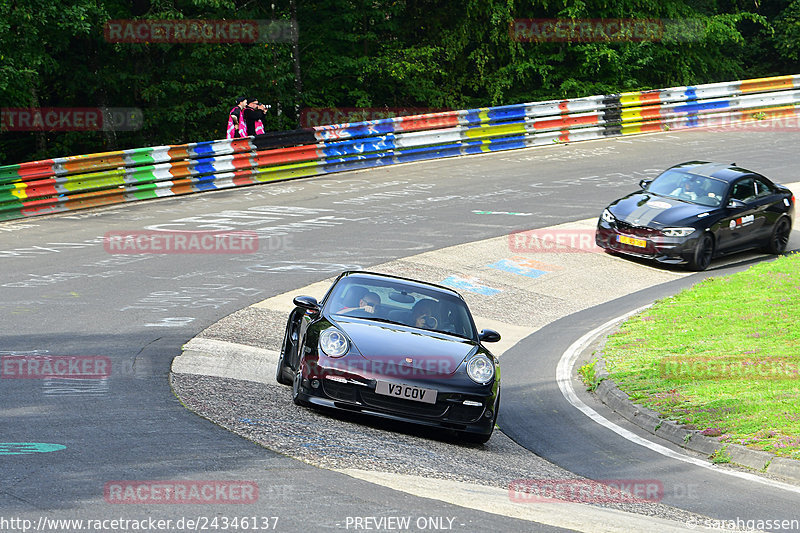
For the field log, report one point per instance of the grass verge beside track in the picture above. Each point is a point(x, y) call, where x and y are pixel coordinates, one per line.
point(722, 357)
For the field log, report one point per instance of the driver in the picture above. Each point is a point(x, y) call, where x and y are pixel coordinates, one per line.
point(688, 189)
point(368, 303)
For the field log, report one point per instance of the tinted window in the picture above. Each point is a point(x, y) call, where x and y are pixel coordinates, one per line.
point(763, 188)
point(744, 190)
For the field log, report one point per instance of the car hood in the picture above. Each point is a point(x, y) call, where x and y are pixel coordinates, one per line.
point(392, 344)
point(645, 209)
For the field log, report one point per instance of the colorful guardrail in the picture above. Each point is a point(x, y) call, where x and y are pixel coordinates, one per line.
point(78, 182)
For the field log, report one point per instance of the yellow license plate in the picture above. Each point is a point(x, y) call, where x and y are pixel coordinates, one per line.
point(639, 243)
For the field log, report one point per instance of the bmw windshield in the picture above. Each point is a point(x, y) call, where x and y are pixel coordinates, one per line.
point(689, 187)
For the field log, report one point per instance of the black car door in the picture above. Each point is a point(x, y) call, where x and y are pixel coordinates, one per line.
point(769, 206)
point(745, 218)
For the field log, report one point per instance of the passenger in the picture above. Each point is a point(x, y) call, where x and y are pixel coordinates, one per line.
point(422, 314)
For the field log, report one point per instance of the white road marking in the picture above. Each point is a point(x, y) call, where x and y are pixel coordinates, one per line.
point(564, 379)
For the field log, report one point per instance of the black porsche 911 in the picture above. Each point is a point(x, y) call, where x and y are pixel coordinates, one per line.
point(394, 348)
point(696, 211)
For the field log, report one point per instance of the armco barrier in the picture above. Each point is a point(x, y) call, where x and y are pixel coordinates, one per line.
point(69, 183)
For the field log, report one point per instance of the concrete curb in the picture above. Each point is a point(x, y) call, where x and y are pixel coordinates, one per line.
point(618, 401)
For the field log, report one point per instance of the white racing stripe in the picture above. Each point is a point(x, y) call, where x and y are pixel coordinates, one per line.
point(564, 379)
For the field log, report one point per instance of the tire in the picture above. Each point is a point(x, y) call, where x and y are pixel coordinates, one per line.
point(703, 253)
point(281, 371)
point(779, 237)
point(298, 377)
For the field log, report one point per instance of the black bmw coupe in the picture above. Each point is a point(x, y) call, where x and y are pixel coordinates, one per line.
point(696, 211)
point(394, 348)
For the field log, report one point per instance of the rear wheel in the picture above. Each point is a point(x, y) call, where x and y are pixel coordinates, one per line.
point(779, 238)
point(702, 253)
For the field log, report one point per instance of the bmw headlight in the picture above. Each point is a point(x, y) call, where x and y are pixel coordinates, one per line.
point(333, 342)
point(677, 232)
point(608, 217)
point(480, 369)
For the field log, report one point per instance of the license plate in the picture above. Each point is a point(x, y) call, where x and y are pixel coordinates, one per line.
point(406, 392)
point(639, 243)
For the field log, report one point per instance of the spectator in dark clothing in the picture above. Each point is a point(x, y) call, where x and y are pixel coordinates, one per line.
point(253, 115)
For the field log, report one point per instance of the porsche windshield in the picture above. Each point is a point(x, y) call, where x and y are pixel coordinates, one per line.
point(689, 188)
point(387, 300)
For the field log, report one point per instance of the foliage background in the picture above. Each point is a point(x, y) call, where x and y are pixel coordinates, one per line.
point(357, 53)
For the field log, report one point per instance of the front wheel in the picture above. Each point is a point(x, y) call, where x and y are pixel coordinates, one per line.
point(298, 378)
point(283, 372)
point(479, 438)
point(779, 238)
point(702, 253)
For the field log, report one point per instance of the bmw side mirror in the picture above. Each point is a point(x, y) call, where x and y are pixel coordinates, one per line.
point(488, 335)
point(644, 183)
point(308, 303)
point(736, 204)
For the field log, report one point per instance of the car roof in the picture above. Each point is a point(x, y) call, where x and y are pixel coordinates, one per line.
point(720, 171)
point(411, 283)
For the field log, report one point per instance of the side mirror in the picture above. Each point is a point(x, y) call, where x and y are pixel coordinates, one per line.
point(308, 303)
point(488, 335)
point(644, 183)
point(736, 204)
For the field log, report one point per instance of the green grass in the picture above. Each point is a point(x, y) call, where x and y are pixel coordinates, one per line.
point(588, 374)
point(722, 357)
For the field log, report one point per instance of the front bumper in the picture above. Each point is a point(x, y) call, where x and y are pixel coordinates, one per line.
point(458, 406)
point(657, 247)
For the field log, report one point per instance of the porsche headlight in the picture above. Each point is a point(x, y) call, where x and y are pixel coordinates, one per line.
point(677, 232)
point(608, 217)
point(333, 342)
point(480, 369)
